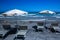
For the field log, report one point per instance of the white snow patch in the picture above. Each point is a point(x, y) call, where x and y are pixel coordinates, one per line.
point(47, 11)
point(15, 12)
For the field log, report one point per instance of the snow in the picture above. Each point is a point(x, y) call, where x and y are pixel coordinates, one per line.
point(15, 12)
point(47, 11)
point(34, 20)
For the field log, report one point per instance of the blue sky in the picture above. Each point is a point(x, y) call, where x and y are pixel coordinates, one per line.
point(30, 5)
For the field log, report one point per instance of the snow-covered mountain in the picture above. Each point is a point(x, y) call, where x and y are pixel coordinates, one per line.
point(47, 12)
point(15, 12)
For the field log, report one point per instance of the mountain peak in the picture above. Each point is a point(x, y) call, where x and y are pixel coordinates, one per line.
point(47, 12)
point(15, 12)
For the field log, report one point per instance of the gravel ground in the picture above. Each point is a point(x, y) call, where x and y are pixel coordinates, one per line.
point(32, 35)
